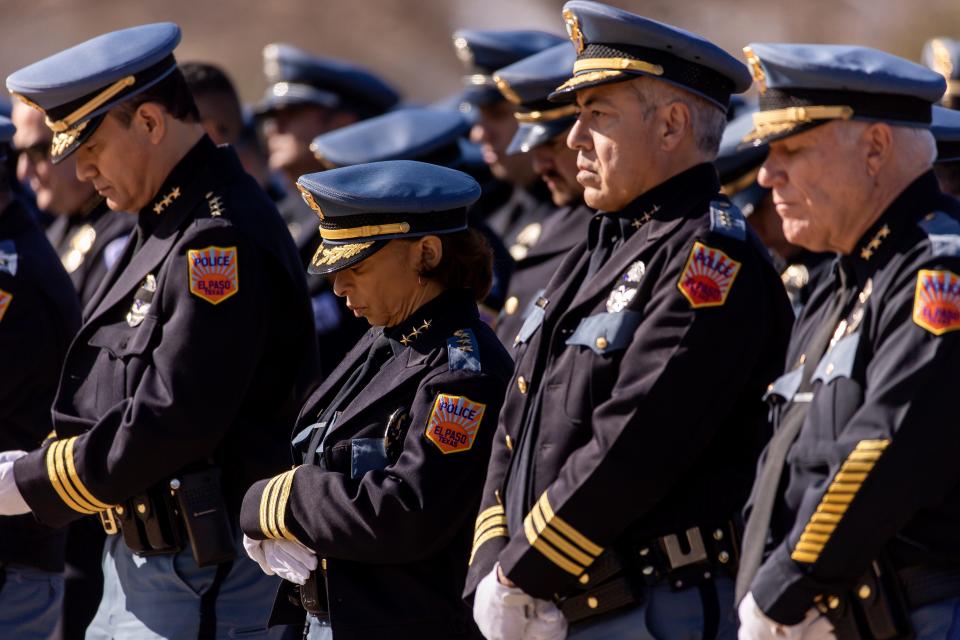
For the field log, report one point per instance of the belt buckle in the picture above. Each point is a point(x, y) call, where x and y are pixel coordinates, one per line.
point(109, 522)
point(676, 555)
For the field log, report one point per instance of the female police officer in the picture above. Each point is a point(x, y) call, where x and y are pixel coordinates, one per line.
point(394, 443)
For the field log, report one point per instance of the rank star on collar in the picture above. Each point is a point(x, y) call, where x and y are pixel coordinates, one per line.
point(166, 201)
point(413, 335)
point(646, 217)
point(868, 249)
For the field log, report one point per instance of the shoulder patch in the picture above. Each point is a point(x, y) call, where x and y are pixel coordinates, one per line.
point(936, 301)
point(8, 257)
point(708, 276)
point(5, 300)
point(943, 232)
point(213, 273)
point(454, 422)
point(463, 353)
point(727, 220)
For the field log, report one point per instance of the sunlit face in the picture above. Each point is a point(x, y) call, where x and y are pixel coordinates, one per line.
point(556, 164)
point(56, 186)
point(289, 132)
point(115, 159)
point(614, 136)
point(381, 287)
point(818, 181)
point(493, 132)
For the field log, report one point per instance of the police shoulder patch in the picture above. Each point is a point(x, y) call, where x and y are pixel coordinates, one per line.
point(708, 276)
point(5, 299)
point(936, 301)
point(727, 220)
point(463, 353)
point(213, 273)
point(454, 422)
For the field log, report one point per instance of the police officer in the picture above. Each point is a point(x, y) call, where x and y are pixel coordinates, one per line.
point(307, 96)
point(943, 56)
point(425, 134)
point(86, 234)
point(854, 510)
point(945, 127)
point(542, 132)
point(190, 356)
point(392, 446)
point(633, 421)
point(516, 198)
point(39, 315)
point(738, 165)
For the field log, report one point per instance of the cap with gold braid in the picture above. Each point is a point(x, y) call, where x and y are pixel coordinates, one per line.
point(805, 85)
point(76, 87)
point(614, 45)
point(361, 207)
point(527, 84)
point(943, 56)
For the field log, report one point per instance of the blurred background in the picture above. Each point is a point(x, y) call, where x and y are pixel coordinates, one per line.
point(408, 41)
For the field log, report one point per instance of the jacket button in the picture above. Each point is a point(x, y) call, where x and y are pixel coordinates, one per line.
point(602, 343)
point(511, 305)
point(522, 384)
point(584, 579)
point(509, 443)
point(864, 592)
point(592, 602)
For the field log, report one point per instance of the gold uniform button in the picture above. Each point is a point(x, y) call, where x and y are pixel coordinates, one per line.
point(141, 508)
point(511, 305)
point(833, 602)
point(584, 579)
point(592, 602)
point(864, 592)
point(522, 384)
point(509, 443)
point(602, 343)
point(829, 369)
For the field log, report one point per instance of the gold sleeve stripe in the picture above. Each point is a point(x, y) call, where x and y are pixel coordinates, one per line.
point(560, 525)
point(287, 482)
point(495, 510)
point(556, 540)
point(489, 534)
point(835, 502)
point(266, 509)
point(54, 474)
point(75, 478)
point(551, 554)
point(489, 523)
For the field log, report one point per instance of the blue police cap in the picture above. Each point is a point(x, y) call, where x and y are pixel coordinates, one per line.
point(482, 52)
point(364, 206)
point(527, 84)
point(76, 87)
point(738, 165)
point(298, 77)
point(427, 134)
point(943, 56)
point(946, 130)
point(805, 85)
point(614, 45)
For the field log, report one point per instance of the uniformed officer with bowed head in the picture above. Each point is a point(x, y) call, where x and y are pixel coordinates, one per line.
point(374, 521)
point(632, 424)
point(191, 357)
point(852, 523)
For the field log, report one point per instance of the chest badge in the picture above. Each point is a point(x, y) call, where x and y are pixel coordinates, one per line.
point(213, 273)
point(623, 294)
point(141, 301)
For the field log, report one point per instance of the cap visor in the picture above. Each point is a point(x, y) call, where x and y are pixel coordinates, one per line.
point(533, 134)
point(331, 257)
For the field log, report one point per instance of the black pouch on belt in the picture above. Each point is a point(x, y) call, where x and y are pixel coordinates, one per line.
point(157, 520)
point(200, 501)
point(876, 609)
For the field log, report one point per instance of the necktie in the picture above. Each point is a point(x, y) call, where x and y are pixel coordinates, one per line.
point(609, 235)
point(767, 484)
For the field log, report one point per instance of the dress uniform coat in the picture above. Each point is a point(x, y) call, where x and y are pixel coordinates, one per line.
point(634, 410)
point(39, 315)
point(192, 352)
point(89, 244)
point(393, 526)
point(872, 473)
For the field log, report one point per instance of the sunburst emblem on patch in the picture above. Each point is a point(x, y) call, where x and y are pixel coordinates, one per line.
point(454, 422)
point(707, 277)
point(936, 301)
point(213, 273)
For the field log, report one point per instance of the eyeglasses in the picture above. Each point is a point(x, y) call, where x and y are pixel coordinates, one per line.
point(37, 152)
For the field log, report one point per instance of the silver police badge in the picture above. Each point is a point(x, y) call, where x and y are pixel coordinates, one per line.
point(141, 301)
point(622, 295)
point(635, 272)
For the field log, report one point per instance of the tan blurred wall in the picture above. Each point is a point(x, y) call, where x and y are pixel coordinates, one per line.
point(408, 41)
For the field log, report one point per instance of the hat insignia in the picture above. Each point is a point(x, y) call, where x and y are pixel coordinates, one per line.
point(573, 30)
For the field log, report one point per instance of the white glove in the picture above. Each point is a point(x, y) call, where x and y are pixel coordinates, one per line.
point(254, 549)
point(548, 624)
point(290, 560)
point(11, 502)
point(501, 612)
point(755, 625)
